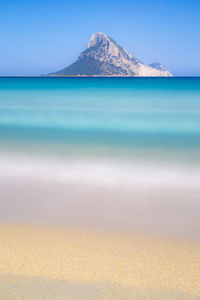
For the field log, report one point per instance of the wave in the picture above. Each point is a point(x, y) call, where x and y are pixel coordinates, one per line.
point(99, 171)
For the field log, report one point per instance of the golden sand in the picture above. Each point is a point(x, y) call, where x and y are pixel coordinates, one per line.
point(52, 263)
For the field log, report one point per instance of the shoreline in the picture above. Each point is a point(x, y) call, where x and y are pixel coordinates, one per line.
point(94, 76)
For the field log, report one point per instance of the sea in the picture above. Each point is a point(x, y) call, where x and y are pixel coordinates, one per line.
point(101, 153)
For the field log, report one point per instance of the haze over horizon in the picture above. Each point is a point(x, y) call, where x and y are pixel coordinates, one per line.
point(41, 37)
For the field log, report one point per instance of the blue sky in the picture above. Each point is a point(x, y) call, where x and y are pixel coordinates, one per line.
point(41, 36)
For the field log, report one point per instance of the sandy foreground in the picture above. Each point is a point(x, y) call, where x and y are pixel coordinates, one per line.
point(38, 262)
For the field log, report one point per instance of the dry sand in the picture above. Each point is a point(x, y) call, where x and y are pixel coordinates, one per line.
point(38, 262)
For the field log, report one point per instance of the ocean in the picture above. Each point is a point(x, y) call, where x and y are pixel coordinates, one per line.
point(106, 152)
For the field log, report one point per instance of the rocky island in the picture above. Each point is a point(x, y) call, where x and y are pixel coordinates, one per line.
point(104, 57)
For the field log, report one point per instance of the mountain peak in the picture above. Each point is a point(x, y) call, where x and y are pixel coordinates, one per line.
point(104, 57)
point(98, 37)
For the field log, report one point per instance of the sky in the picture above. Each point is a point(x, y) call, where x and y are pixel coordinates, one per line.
point(42, 36)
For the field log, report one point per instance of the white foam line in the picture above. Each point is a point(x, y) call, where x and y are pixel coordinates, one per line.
point(97, 173)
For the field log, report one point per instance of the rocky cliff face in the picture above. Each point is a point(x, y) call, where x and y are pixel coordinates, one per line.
point(103, 57)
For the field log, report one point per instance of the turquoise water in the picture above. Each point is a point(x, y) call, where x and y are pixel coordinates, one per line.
point(138, 113)
point(125, 150)
point(126, 107)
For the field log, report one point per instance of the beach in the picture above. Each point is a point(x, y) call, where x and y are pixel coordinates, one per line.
point(99, 183)
point(54, 263)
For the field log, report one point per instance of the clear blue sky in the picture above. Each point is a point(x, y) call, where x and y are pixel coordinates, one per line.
point(41, 36)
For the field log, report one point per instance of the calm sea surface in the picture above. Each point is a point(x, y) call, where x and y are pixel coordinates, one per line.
point(123, 142)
